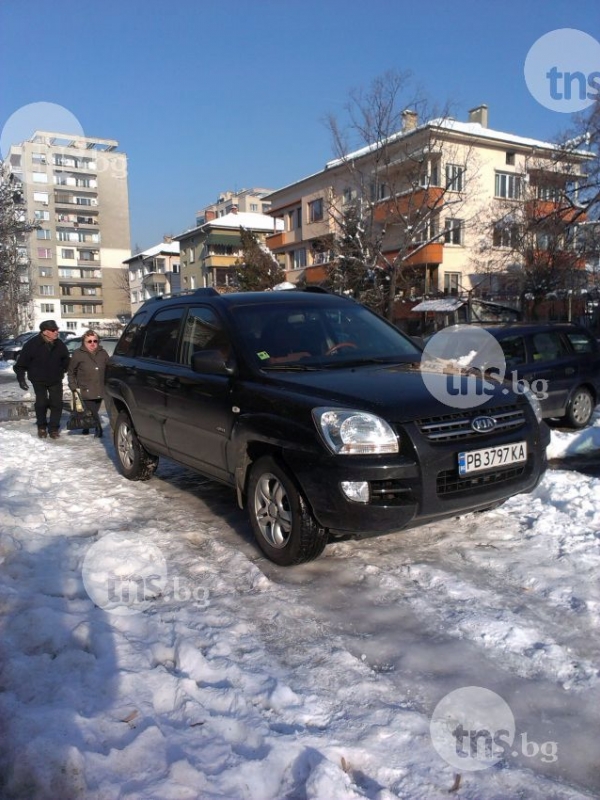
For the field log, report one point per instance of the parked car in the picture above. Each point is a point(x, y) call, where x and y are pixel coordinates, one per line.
point(10, 352)
point(559, 361)
point(315, 410)
point(107, 342)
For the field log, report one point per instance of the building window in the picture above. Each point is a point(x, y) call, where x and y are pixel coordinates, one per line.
point(38, 158)
point(175, 269)
point(451, 282)
point(45, 272)
point(41, 197)
point(42, 233)
point(90, 291)
point(46, 289)
point(315, 210)
point(455, 177)
point(505, 234)
point(160, 264)
point(66, 291)
point(349, 194)
point(67, 253)
point(510, 159)
point(508, 185)
point(41, 215)
point(68, 308)
point(47, 308)
point(39, 177)
point(191, 255)
point(71, 326)
point(253, 206)
point(44, 252)
point(300, 258)
point(453, 231)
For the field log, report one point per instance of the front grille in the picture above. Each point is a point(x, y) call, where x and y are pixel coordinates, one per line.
point(457, 426)
point(390, 493)
point(451, 483)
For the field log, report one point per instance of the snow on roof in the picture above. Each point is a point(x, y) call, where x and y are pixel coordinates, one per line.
point(170, 248)
point(450, 304)
point(250, 220)
point(475, 129)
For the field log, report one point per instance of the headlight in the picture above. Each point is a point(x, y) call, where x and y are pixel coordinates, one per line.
point(349, 432)
point(533, 402)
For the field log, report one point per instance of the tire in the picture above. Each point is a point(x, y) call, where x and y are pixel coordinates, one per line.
point(283, 525)
point(134, 461)
point(580, 408)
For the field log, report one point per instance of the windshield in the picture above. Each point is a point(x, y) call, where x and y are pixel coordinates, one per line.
point(280, 337)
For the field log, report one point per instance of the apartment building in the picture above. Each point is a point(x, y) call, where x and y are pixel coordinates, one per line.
point(442, 197)
point(154, 272)
point(209, 252)
point(248, 201)
point(75, 189)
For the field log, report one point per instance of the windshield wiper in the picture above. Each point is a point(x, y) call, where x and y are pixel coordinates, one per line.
point(290, 368)
point(388, 361)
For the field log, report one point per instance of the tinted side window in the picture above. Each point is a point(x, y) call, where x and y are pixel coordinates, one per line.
point(513, 348)
point(548, 346)
point(203, 331)
point(162, 333)
point(127, 342)
point(581, 342)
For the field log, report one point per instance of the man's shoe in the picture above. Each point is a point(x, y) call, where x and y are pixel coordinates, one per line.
point(42, 433)
point(85, 432)
point(98, 433)
point(54, 434)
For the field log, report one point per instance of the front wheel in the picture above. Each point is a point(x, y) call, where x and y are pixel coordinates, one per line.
point(283, 525)
point(135, 462)
point(580, 408)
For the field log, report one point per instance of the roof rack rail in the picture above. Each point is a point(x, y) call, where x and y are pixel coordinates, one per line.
point(207, 291)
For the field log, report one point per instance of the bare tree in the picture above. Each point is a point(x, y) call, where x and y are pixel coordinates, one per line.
point(538, 242)
point(401, 191)
point(15, 278)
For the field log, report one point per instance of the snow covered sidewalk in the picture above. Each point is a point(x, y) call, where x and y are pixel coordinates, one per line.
point(148, 651)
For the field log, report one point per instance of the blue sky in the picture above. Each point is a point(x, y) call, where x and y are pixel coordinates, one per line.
point(210, 96)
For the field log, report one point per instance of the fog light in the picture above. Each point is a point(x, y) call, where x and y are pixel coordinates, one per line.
point(358, 491)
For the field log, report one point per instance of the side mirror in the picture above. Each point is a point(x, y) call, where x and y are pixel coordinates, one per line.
point(212, 362)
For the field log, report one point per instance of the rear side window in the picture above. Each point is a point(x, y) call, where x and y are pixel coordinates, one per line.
point(581, 342)
point(162, 333)
point(548, 346)
point(127, 343)
point(203, 331)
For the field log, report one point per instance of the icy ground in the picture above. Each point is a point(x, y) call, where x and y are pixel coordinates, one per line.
point(233, 679)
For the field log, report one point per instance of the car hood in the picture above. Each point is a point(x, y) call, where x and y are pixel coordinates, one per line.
point(397, 392)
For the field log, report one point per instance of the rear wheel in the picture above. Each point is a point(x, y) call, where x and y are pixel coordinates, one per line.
point(580, 408)
point(283, 525)
point(135, 462)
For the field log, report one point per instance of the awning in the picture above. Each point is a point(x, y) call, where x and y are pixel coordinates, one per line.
point(231, 240)
point(445, 305)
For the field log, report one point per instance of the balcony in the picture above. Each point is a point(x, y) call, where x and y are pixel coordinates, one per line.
point(420, 201)
point(429, 254)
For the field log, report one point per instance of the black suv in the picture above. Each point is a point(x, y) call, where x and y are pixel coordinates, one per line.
point(315, 410)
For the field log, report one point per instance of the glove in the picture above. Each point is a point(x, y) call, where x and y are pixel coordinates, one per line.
point(23, 384)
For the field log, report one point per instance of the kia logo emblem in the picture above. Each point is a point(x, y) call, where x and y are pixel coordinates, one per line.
point(483, 424)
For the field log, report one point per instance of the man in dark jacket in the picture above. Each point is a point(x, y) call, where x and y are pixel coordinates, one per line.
point(45, 359)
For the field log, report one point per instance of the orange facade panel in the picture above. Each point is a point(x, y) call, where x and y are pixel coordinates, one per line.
point(315, 274)
point(543, 209)
point(275, 241)
point(430, 254)
point(407, 204)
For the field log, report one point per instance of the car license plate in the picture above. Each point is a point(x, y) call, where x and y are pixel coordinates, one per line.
point(491, 457)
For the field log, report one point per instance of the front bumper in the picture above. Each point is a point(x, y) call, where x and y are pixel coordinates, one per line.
point(405, 491)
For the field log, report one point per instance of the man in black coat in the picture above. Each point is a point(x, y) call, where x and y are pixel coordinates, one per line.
point(45, 359)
